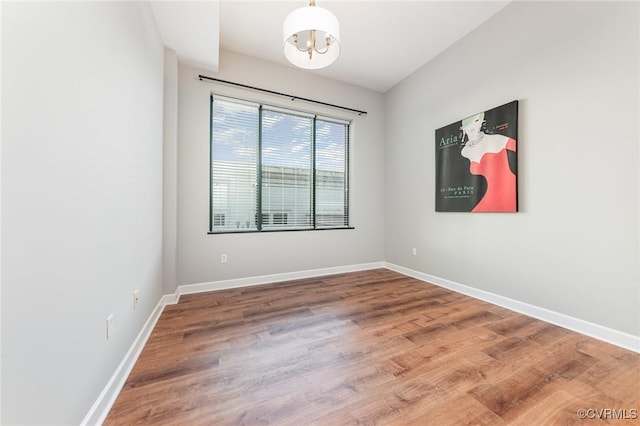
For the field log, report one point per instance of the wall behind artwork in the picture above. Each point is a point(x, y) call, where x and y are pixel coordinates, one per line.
point(573, 248)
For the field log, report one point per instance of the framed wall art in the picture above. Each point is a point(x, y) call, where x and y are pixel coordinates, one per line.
point(477, 164)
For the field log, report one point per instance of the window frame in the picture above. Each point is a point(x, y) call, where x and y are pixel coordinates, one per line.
point(315, 116)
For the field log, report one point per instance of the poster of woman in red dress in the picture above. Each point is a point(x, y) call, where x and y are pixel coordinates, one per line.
point(476, 162)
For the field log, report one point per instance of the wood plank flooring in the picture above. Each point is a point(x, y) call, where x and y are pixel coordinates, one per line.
point(373, 347)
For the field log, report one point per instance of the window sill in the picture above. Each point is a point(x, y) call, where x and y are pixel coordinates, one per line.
point(278, 230)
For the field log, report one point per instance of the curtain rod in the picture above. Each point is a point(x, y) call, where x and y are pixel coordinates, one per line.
point(293, 97)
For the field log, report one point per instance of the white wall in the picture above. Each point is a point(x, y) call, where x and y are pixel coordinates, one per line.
point(573, 247)
point(170, 173)
point(82, 199)
point(0, 221)
point(270, 253)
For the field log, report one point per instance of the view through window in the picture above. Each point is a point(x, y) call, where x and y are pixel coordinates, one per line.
point(276, 169)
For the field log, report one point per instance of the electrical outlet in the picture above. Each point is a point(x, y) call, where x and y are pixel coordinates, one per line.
point(414, 251)
point(109, 326)
point(223, 258)
point(136, 299)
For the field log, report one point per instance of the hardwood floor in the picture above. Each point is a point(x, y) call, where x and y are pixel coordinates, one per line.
point(372, 347)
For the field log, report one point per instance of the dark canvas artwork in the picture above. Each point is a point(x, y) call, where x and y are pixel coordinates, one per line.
point(476, 162)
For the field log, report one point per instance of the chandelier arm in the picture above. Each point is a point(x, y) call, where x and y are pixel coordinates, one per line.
point(328, 42)
point(301, 50)
point(295, 43)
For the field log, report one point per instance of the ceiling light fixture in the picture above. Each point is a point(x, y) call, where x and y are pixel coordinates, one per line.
point(311, 36)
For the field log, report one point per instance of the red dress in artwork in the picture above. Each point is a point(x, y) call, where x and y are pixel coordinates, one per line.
point(501, 182)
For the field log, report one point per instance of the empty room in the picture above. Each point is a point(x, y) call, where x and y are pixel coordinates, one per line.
point(320, 212)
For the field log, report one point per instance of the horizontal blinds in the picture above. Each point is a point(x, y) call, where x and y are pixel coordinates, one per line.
point(234, 170)
point(332, 146)
point(287, 186)
point(276, 169)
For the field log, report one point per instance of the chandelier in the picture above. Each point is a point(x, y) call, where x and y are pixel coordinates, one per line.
point(311, 36)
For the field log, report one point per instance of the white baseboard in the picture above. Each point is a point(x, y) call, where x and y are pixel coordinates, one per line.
point(98, 412)
point(169, 299)
point(266, 279)
point(609, 335)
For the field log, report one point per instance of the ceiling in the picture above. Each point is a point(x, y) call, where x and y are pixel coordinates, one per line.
point(382, 42)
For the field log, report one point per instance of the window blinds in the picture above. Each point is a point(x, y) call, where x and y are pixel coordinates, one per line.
point(274, 169)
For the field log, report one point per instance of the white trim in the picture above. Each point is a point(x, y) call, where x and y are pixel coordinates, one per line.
point(609, 335)
point(98, 412)
point(266, 279)
point(169, 299)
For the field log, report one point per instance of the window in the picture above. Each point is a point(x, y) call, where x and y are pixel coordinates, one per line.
point(274, 169)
